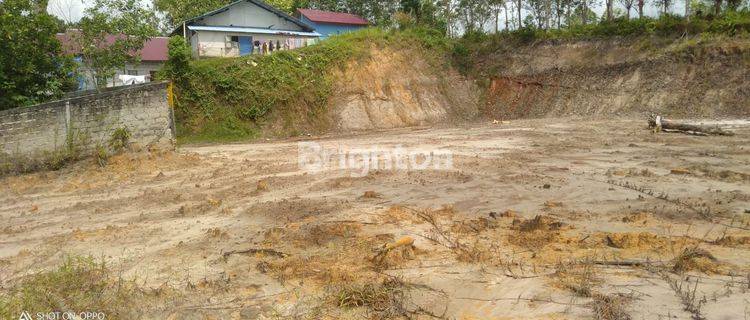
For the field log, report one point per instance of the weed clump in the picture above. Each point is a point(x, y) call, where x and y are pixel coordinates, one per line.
point(539, 223)
point(384, 300)
point(536, 233)
point(78, 284)
point(609, 307)
point(119, 139)
point(696, 259)
point(579, 280)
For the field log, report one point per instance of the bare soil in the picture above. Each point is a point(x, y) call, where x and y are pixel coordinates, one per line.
point(541, 219)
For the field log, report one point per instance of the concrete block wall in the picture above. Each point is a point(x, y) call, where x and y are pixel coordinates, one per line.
point(89, 119)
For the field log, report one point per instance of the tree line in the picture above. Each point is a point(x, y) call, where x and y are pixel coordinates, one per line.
point(458, 16)
point(34, 67)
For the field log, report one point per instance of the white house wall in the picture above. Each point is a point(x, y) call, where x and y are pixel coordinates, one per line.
point(213, 43)
point(144, 68)
point(247, 14)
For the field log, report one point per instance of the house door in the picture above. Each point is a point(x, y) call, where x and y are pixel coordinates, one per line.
point(246, 45)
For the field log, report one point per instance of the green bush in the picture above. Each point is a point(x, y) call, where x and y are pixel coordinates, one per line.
point(228, 99)
point(119, 139)
point(178, 64)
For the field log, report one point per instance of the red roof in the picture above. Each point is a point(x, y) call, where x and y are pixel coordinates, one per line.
point(155, 49)
point(333, 17)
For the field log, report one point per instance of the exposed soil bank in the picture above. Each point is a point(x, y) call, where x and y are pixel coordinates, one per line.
point(692, 78)
point(395, 89)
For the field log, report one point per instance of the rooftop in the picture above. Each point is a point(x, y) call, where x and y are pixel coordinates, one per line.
point(333, 17)
point(155, 49)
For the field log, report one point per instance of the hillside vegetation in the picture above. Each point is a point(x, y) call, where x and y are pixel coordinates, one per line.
point(285, 93)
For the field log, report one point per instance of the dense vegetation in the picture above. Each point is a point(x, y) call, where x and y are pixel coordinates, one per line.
point(32, 66)
point(731, 23)
point(225, 99)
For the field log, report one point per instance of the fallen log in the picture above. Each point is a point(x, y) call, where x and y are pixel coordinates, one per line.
point(659, 123)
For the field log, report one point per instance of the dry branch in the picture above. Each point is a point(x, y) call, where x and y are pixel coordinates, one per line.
point(269, 252)
point(659, 123)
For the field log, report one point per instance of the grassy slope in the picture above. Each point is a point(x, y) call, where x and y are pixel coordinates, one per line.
point(231, 99)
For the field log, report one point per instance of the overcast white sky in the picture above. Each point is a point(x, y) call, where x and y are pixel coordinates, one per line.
point(72, 10)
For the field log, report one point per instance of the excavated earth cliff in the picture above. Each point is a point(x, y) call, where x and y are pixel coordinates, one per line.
point(682, 78)
point(399, 89)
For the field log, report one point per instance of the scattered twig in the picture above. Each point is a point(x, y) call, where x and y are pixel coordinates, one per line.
point(521, 299)
point(627, 263)
point(687, 295)
point(269, 252)
point(705, 212)
point(351, 221)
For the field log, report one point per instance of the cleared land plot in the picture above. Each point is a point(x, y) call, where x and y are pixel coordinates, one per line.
point(553, 218)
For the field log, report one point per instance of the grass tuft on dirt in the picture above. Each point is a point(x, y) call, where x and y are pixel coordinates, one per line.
point(696, 259)
point(383, 300)
point(79, 284)
point(609, 307)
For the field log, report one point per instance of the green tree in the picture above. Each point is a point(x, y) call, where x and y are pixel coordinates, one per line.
point(474, 14)
point(32, 66)
point(628, 4)
point(178, 64)
point(582, 13)
point(379, 12)
point(424, 13)
point(111, 33)
point(288, 6)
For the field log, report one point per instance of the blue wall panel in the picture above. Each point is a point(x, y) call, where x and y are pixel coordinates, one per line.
point(329, 29)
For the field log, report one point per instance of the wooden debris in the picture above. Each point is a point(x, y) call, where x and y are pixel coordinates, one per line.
point(382, 252)
point(371, 195)
point(269, 252)
point(659, 123)
point(405, 241)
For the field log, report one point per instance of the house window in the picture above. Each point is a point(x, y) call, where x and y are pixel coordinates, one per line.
point(232, 42)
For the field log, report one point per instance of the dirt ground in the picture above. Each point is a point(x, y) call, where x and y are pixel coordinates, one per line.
point(538, 219)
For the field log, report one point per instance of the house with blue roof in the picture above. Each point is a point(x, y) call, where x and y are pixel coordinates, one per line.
point(329, 23)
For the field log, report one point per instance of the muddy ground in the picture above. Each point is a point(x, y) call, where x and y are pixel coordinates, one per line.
point(542, 219)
